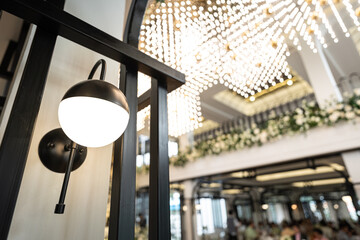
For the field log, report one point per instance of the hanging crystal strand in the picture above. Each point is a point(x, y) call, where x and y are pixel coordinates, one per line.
point(352, 13)
point(338, 18)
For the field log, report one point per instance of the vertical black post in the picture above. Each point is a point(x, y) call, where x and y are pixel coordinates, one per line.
point(123, 188)
point(159, 209)
point(17, 138)
point(122, 212)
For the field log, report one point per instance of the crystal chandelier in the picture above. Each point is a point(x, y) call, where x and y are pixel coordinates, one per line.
point(242, 44)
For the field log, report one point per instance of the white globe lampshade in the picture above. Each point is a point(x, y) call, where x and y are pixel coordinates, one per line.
point(93, 113)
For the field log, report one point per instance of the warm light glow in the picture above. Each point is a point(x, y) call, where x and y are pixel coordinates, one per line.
point(294, 207)
point(337, 167)
point(347, 199)
point(319, 182)
point(294, 173)
point(336, 206)
point(241, 174)
point(177, 186)
point(92, 122)
point(211, 185)
point(231, 191)
point(265, 206)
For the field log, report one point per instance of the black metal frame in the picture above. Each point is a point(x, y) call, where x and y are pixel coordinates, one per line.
point(123, 190)
point(11, 58)
point(159, 192)
point(17, 137)
point(53, 22)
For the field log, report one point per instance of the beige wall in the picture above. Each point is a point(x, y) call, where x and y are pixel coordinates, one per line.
point(87, 194)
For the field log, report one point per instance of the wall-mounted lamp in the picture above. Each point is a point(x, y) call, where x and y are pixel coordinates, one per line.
point(92, 113)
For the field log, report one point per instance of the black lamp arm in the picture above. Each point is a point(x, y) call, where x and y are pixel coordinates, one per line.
point(95, 67)
point(60, 207)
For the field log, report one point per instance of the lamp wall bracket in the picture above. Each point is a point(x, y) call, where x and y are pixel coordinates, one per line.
point(59, 154)
point(54, 151)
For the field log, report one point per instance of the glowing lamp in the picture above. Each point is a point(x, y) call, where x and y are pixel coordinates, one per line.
point(92, 113)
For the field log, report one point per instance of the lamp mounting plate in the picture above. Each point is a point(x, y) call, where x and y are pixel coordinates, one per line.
point(54, 151)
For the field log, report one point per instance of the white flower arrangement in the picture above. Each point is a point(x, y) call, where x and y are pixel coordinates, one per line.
point(309, 116)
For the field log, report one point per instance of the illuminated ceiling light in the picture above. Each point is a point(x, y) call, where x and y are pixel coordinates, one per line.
point(346, 199)
point(265, 206)
point(319, 182)
point(289, 82)
point(294, 173)
point(241, 174)
point(231, 191)
point(337, 167)
point(294, 206)
point(211, 185)
point(252, 98)
point(176, 186)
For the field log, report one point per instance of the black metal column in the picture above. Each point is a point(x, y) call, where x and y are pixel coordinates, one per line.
point(159, 209)
point(17, 138)
point(122, 210)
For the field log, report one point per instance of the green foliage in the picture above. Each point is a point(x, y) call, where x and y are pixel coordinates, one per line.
point(309, 116)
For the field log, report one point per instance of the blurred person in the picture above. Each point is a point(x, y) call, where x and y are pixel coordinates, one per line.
point(232, 226)
point(306, 227)
point(297, 234)
point(318, 235)
point(241, 229)
point(265, 232)
point(327, 231)
point(262, 229)
point(353, 234)
point(250, 232)
point(142, 221)
point(344, 232)
point(275, 231)
point(357, 227)
point(287, 232)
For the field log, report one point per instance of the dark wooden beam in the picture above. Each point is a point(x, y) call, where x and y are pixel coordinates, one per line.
point(64, 24)
point(159, 193)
